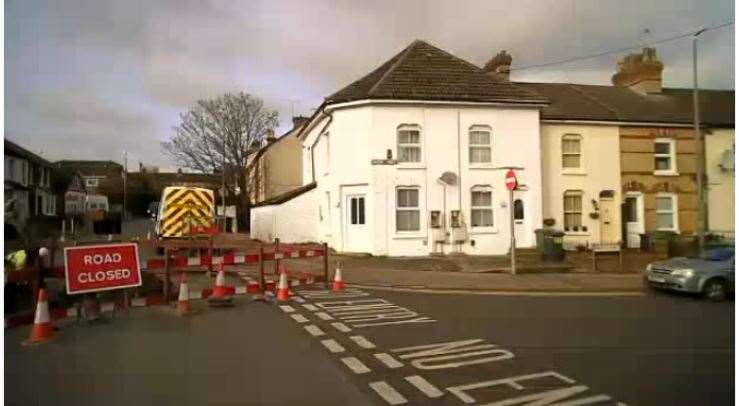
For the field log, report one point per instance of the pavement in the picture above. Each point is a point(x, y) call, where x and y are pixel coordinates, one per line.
point(364, 347)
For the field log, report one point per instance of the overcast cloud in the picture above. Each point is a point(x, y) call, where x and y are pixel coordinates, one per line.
point(90, 79)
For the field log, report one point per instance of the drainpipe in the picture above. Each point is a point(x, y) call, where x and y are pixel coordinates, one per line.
point(459, 171)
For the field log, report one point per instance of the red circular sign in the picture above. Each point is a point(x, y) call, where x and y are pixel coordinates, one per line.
point(510, 180)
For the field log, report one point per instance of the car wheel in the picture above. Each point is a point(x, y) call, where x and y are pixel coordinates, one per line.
point(715, 290)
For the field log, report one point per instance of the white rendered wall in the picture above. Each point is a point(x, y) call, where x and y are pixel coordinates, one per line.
point(293, 221)
point(343, 151)
point(720, 182)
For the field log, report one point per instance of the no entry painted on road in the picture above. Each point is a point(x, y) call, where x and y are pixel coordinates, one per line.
point(95, 268)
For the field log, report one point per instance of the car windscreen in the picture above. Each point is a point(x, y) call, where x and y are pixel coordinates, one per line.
point(718, 254)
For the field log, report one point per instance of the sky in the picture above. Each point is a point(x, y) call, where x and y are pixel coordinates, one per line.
point(92, 79)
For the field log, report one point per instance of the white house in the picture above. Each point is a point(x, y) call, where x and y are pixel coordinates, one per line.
point(407, 161)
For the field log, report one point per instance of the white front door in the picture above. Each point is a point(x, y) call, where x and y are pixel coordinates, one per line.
point(519, 220)
point(356, 233)
point(634, 218)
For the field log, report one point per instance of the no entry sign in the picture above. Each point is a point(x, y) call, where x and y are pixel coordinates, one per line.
point(95, 268)
point(510, 180)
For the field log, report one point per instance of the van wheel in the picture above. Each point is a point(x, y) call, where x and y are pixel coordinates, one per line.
point(715, 290)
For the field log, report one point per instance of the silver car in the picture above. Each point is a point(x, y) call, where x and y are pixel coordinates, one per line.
point(711, 274)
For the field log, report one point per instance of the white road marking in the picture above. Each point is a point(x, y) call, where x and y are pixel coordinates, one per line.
point(341, 327)
point(388, 393)
point(314, 330)
point(287, 309)
point(362, 342)
point(355, 365)
point(332, 345)
point(299, 318)
point(310, 307)
point(298, 299)
point(424, 386)
point(324, 316)
point(388, 360)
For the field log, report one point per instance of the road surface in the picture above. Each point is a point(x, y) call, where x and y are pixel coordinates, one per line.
point(380, 347)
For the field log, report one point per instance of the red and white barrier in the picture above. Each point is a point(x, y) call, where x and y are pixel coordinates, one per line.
point(250, 286)
point(232, 258)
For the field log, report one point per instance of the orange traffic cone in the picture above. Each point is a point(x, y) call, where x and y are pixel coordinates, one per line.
point(338, 281)
point(283, 290)
point(42, 329)
point(183, 303)
point(219, 290)
point(220, 296)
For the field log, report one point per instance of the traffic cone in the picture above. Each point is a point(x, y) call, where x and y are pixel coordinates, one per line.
point(42, 329)
point(183, 303)
point(220, 296)
point(283, 290)
point(338, 281)
point(219, 290)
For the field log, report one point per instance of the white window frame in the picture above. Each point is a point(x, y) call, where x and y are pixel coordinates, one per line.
point(579, 139)
point(488, 146)
point(484, 189)
point(407, 208)
point(675, 213)
point(572, 192)
point(419, 145)
point(672, 155)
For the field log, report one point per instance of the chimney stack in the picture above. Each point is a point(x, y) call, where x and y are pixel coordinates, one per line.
point(299, 121)
point(499, 68)
point(270, 138)
point(641, 72)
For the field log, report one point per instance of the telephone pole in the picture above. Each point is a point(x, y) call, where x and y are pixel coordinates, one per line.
point(697, 138)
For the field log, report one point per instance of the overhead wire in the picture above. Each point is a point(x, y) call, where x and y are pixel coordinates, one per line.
point(624, 49)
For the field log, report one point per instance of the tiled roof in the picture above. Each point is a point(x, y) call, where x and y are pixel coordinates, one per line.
point(424, 72)
point(17, 151)
point(612, 103)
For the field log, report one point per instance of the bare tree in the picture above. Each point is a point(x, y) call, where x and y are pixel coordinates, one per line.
point(219, 135)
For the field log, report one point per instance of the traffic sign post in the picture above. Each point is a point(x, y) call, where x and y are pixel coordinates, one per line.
point(511, 183)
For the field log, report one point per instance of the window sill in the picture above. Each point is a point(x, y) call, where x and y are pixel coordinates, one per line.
point(410, 236)
point(573, 172)
point(483, 231)
point(481, 166)
point(577, 234)
point(669, 230)
point(666, 173)
point(411, 166)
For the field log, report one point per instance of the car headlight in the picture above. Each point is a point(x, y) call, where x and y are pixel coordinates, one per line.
point(649, 267)
point(683, 273)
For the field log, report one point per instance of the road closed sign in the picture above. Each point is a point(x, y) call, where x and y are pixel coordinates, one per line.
point(95, 268)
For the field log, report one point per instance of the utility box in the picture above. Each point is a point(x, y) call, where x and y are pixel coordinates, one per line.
point(459, 230)
point(438, 228)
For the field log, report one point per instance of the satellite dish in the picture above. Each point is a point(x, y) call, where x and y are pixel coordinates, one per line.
point(450, 178)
